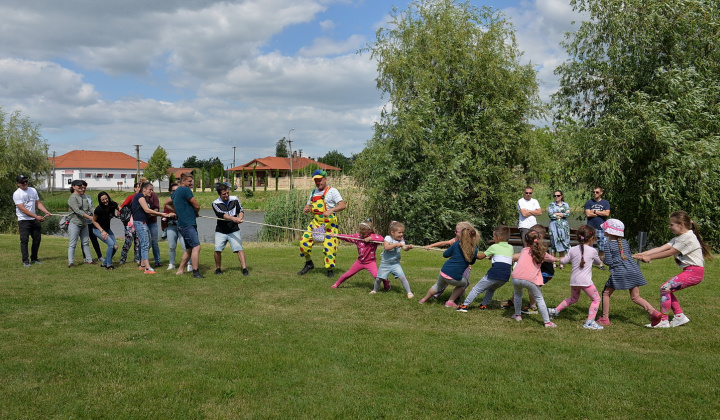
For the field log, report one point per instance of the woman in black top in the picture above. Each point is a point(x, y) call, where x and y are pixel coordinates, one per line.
point(106, 210)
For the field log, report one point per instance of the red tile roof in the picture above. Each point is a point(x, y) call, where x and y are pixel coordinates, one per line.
point(179, 171)
point(273, 163)
point(88, 159)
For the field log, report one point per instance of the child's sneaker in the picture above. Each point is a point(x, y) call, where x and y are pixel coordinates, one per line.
point(372, 292)
point(529, 310)
point(517, 318)
point(482, 307)
point(603, 321)
point(662, 324)
point(550, 325)
point(679, 319)
point(171, 266)
point(552, 312)
point(436, 295)
point(451, 304)
point(410, 296)
point(149, 271)
point(655, 318)
point(508, 304)
point(462, 308)
point(590, 324)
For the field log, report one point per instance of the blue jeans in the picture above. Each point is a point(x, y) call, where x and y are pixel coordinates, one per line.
point(83, 234)
point(110, 242)
point(153, 228)
point(143, 234)
point(173, 236)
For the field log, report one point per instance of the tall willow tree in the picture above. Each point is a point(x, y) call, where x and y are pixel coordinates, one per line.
point(640, 103)
point(22, 151)
point(447, 144)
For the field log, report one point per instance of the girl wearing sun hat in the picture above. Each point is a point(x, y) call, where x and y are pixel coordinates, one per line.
point(624, 272)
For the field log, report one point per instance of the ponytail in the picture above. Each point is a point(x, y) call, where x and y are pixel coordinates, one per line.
point(622, 253)
point(536, 245)
point(468, 240)
point(584, 234)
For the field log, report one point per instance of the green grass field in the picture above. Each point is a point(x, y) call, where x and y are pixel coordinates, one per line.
point(86, 343)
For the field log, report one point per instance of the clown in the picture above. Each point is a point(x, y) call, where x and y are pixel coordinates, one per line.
point(324, 202)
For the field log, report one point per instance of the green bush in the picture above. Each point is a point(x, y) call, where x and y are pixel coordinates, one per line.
point(248, 193)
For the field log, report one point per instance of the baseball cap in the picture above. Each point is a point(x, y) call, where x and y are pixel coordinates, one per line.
point(319, 173)
point(77, 182)
point(20, 178)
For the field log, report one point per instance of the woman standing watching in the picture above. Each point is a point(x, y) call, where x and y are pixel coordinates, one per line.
point(80, 214)
point(559, 211)
point(140, 211)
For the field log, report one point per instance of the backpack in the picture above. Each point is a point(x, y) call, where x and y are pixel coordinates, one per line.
point(64, 222)
point(125, 215)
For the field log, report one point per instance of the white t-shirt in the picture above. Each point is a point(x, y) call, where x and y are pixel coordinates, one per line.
point(332, 198)
point(392, 256)
point(27, 198)
point(530, 221)
point(690, 251)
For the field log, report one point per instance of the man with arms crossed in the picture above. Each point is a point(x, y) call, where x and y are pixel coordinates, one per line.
point(528, 208)
point(597, 210)
point(228, 208)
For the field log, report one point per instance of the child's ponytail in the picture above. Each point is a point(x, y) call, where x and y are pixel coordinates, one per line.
point(468, 240)
point(584, 234)
point(536, 243)
point(622, 252)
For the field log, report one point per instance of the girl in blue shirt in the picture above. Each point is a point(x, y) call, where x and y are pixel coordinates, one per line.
point(460, 255)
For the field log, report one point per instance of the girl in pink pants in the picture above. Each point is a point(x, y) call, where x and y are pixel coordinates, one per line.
point(689, 252)
point(367, 242)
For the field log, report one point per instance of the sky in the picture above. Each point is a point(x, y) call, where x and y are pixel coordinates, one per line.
point(201, 77)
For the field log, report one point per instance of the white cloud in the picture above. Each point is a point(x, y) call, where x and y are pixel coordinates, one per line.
point(42, 81)
point(327, 25)
point(323, 47)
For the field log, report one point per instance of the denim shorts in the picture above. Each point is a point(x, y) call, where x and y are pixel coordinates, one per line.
point(600, 236)
point(190, 235)
point(222, 239)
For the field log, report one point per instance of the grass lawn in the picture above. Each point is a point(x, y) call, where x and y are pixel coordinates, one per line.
point(86, 343)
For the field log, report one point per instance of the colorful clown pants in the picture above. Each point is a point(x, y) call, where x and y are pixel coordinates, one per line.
point(330, 243)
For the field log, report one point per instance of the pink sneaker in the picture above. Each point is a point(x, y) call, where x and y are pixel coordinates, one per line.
point(386, 284)
point(451, 304)
point(550, 325)
point(517, 318)
point(603, 321)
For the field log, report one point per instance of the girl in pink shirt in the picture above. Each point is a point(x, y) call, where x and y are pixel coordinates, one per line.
point(527, 275)
point(582, 257)
point(367, 242)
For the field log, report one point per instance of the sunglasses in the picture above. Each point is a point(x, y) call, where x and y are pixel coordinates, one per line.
point(23, 182)
point(557, 195)
point(528, 193)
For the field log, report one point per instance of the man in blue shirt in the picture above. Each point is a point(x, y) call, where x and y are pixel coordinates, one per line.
point(597, 211)
point(187, 209)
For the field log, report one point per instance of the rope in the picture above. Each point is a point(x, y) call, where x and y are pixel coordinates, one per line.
point(304, 230)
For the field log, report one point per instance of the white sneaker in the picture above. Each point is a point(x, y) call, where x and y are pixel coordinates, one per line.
point(372, 292)
point(189, 268)
point(592, 325)
point(678, 320)
point(552, 312)
point(662, 324)
point(410, 296)
point(171, 266)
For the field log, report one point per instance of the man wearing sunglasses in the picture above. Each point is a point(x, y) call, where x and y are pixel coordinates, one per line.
point(528, 208)
point(26, 201)
point(597, 210)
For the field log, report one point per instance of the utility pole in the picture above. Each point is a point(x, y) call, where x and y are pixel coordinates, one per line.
point(291, 157)
point(137, 157)
point(233, 172)
point(47, 156)
point(52, 187)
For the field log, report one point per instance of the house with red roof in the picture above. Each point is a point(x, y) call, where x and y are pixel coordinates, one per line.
point(271, 169)
point(101, 170)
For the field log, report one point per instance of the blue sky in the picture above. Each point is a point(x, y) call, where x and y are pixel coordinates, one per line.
point(198, 77)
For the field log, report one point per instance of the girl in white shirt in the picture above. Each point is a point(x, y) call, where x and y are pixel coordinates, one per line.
point(689, 252)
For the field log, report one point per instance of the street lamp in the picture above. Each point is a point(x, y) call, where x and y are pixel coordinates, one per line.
point(291, 157)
